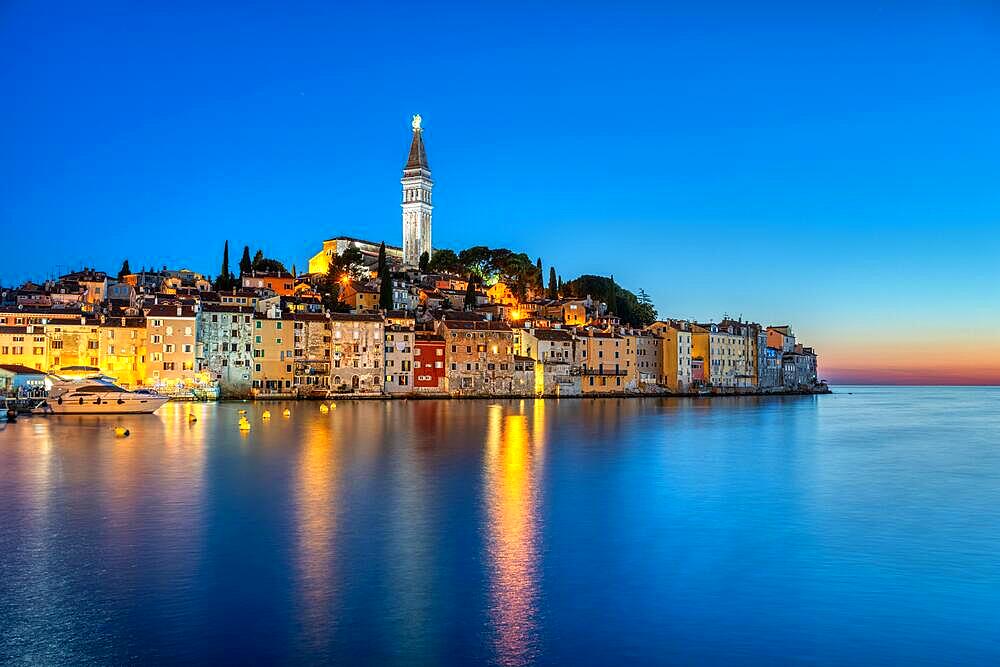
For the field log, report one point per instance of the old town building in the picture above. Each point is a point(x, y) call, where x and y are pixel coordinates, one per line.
point(399, 355)
point(357, 352)
point(225, 346)
point(170, 340)
point(479, 357)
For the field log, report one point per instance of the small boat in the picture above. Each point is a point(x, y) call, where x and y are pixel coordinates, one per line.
point(99, 395)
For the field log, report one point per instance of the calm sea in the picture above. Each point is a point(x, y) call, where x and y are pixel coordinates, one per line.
point(858, 528)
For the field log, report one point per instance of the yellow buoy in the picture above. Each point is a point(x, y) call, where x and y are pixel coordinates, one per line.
point(266, 414)
point(121, 432)
point(323, 408)
point(286, 413)
point(333, 406)
point(243, 412)
point(192, 418)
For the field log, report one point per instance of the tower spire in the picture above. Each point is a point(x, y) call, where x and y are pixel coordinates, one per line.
point(417, 208)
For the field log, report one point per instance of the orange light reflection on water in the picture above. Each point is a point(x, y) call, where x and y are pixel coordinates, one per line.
point(513, 461)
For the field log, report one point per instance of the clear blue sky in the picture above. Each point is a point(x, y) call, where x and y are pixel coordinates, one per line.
point(835, 166)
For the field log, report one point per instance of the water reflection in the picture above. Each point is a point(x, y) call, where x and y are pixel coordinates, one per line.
point(318, 474)
point(514, 456)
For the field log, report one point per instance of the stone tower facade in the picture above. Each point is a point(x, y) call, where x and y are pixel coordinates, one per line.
point(417, 207)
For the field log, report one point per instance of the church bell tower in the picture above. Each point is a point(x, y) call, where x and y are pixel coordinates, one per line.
point(417, 185)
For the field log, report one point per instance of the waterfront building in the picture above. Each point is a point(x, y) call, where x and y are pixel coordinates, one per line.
point(781, 337)
point(429, 373)
point(724, 353)
point(24, 346)
point(524, 382)
point(647, 358)
point(224, 346)
point(273, 354)
point(123, 350)
point(605, 359)
point(554, 350)
point(675, 354)
point(357, 341)
point(311, 353)
point(170, 334)
point(399, 356)
point(479, 357)
point(771, 368)
point(799, 368)
point(73, 343)
point(417, 205)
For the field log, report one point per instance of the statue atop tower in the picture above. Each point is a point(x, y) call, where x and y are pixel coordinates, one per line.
point(417, 206)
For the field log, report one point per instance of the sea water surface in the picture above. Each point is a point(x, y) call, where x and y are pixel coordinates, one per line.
point(859, 528)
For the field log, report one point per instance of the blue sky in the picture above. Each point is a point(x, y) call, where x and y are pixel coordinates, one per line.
point(831, 165)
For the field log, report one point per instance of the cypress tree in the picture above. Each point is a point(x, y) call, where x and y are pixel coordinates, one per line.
point(553, 284)
point(470, 294)
point(257, 259)
point(246, 264)
point(385, 289)
point(124, 271)
point(425, 261)
point(223, 280)
point(381, 259)
point(539, 275)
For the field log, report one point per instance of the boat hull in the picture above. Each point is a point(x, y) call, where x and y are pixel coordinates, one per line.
point(128, 406)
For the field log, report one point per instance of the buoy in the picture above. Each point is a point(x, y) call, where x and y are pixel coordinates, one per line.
point(192, 418)
point(244, 424)
point(121, 432)
point(266, 414)
point(333, 406)
point(243, 412)
point(286, 413)
point(323, 408)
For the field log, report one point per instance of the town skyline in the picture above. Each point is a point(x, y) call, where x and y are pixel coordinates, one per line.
point(679, 201)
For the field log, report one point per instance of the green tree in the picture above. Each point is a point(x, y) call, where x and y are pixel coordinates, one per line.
point(539, 276)
point(124, 271)
point(478, 261)
point(385, 289)
point(425, 261)
point(350, 263)
point(445, 261)
point(553, 284)
point(257, 259)
point(246, 264)
point(470, 302)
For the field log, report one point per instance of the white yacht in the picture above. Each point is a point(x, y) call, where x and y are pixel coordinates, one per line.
point(98, 395)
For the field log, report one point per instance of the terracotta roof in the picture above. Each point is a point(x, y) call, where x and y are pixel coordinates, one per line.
point(552, 334)
point(475, 326)
point(169, 310)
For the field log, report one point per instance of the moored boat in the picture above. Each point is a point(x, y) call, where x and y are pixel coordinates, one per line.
point(98, 395)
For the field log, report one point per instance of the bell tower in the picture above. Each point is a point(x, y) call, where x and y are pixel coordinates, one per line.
point(417, 207)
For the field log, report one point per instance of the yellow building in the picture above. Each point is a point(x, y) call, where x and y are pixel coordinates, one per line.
point(170, 333)
point(675, 354)
point(24, 346)
point(73, 343)
point(123, 350)
point(606, 361)
point(725, 354)
point(273, 354)
point(320, 262)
